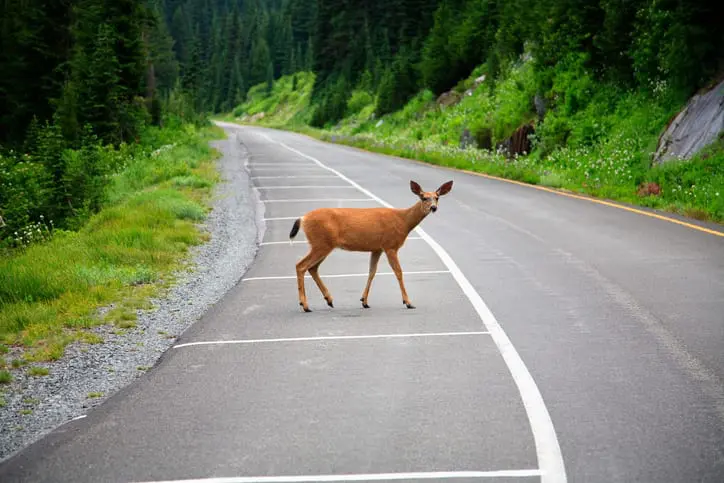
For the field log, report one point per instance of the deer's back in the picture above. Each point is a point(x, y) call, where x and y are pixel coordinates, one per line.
point(356, 229)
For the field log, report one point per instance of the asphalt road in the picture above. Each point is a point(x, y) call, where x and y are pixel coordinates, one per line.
point(554, 340)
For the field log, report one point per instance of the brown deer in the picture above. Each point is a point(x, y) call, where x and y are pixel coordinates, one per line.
point(373, 230)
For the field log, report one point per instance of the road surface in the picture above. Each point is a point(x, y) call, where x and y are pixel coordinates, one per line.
point(554, 339)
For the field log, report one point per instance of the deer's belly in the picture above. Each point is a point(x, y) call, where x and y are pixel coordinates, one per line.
point(366, 243)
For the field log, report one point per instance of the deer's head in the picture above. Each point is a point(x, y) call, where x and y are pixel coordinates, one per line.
point(429, 199)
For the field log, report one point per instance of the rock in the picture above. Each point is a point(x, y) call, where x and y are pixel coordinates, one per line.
point(540, 105)
point(449, 98)
point(466, 139)
point(518, 143)
point(379, 123)
point(256, 117)
point(479, 80)
point(696, 126)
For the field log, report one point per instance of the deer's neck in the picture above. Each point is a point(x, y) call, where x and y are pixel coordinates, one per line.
point(413, 215)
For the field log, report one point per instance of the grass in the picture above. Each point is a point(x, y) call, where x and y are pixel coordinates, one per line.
point(94, 395)
point(50, 293)
point(5, 377)
point(37, 371)
point(602, 150)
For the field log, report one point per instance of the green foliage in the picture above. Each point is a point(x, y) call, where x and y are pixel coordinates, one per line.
point(145, 225)
point(333, 104)
point(287, 103)
point(358, 101)
point(397, 85)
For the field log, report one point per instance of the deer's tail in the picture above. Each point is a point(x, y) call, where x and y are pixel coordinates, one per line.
point(295, 228)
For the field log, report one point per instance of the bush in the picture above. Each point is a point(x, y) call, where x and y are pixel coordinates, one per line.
point(358, 101)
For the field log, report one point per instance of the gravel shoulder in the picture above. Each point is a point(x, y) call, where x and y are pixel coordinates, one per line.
point(35, 406)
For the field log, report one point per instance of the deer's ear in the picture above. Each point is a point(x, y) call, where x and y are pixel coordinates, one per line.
point(415, 188)
point(445, 188)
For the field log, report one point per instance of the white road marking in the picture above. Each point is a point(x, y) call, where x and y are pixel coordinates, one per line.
point(317, 199)
point(302, 187)
point(279, 218)
point(314, 176)
point(548, 450)
point(342, 275)
point(304, 169)
point(281, 165)
point(305, 241)
point(276, 170)
point(437, 475)
point(293, 242)
point(331, 337)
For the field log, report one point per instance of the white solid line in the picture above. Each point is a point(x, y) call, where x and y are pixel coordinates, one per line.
point(305, 241)
point(330, 337)
point(293, 242)
point(438, 475)
point(278, 218)
point(342, 275)
point(305, 165)
point(317, 199)
point(310, 176)
point(548, 450)
point(301, 187)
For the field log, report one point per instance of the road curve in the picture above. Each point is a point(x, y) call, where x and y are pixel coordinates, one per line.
point(554, 340)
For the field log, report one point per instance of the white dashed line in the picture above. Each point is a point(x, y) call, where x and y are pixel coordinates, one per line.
point(330, 338)
point(548, 451)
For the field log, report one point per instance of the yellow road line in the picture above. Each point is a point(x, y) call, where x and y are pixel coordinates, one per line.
point(528, 185)
point(554, 191)
point(600, 202)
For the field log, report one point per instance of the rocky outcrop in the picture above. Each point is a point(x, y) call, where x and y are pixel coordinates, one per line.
point(452, 97)
point(466, 139)
point(697, 125)
point(449, 98)
point(518, 143)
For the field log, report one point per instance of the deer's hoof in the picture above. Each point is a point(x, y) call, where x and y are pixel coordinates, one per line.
point(364, 305)
point(329, 302)
point(409, 306)
point(306, 309)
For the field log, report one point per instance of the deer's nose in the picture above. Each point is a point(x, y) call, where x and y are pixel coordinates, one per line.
point(433, 208)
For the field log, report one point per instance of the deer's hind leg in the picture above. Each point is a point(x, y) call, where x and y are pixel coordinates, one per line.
point(374, 259)
point(315, 256)
point(314, 272)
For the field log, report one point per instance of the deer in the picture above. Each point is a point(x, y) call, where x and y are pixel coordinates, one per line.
point(373, 230)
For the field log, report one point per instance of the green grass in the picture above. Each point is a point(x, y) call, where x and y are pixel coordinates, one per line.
point(94, 395)
point(37, 371)
point(602, 149)
point(5, 377)
point(50, 292)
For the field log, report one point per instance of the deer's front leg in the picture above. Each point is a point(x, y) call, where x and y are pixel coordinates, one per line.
point(395, 264)
point(374, 258)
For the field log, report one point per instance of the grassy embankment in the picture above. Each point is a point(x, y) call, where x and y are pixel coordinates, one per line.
point(50, 291)
point(598, 141)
